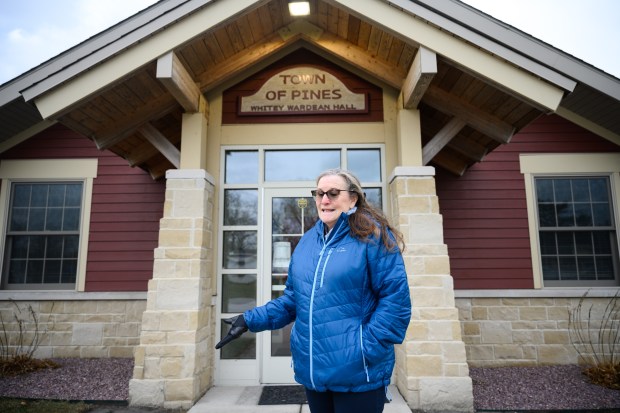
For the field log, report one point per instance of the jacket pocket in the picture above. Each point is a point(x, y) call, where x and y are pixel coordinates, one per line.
point(292, 346)
point(364, 352)
point(294, 340)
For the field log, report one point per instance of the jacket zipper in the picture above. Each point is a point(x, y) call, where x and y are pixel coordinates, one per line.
point(310, 322)
point(311, 311)
point(363, 355)
point(329, 253)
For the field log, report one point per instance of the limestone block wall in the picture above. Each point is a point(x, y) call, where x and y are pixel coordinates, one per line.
point(431, 368)
point(74, 328)
point(527, 331)
point(497, 331)
point(174, 360)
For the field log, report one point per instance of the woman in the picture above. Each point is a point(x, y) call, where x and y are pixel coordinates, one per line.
point(348, 295)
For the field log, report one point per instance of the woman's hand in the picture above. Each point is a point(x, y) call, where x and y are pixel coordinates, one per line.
point(238, 327)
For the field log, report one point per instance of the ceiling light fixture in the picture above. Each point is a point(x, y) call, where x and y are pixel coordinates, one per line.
point(299, 8)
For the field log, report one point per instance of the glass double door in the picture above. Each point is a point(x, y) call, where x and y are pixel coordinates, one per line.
point(292, 212)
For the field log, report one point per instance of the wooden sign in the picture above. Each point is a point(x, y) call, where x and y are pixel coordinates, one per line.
point(303, 90)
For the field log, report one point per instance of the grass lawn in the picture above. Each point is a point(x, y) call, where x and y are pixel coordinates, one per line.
point(42, 406)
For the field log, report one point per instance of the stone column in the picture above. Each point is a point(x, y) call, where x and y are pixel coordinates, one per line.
point(174, 361)
point(432, 372)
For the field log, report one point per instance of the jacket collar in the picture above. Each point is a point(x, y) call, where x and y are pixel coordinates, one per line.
point(340, 229)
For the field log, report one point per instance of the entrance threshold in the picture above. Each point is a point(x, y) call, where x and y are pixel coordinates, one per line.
point(238, 399)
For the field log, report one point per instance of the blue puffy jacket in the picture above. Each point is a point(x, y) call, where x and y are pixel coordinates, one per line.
point(350, 303)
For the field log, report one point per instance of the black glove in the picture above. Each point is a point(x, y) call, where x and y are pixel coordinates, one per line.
point(238, 327)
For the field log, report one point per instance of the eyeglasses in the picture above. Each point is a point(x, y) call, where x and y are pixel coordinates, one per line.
point(331, 194)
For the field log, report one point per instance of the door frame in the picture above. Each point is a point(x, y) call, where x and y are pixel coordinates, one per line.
point(274, 369)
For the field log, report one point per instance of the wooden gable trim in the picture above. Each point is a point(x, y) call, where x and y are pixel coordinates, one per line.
point(53, 103)
point(505, 75)
point(98, 48)
point(489, 34)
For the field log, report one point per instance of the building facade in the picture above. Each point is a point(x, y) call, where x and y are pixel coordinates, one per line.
point(157, 177)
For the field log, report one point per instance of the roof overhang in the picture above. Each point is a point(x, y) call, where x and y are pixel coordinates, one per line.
point(545, 92)
point(108, 65)
point(474, 80)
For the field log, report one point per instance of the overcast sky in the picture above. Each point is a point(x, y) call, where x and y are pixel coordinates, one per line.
point(33, 31)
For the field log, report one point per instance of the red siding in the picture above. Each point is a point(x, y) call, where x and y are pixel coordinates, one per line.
point(125, 212)
point(484, 211)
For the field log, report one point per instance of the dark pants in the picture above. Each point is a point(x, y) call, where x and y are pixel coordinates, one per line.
point(336, 402)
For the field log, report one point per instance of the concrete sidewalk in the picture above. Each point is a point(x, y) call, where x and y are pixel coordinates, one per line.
point(245, 400)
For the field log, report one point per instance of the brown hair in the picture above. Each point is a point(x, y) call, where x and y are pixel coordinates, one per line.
point(367, 219)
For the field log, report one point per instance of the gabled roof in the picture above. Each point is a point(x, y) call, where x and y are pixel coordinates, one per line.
point(475, 80)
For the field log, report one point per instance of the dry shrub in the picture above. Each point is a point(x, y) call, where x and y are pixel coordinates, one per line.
point(22, 364)
point(19, 341)
point(604, 375)
point(596, 337)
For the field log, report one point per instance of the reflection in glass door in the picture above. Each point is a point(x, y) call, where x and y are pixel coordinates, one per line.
point(292, 212)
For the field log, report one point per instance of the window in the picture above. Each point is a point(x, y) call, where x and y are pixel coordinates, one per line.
point(573, 211)
point(305, 165)
point(576, 230)
point(43, 235)
point(299, 165)
point(44, 231)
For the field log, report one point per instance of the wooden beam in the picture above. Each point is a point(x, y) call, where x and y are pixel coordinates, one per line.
point(243, 60)
point(422, 71)
point(140, 154)
point(159, 171)
point(484, 122)
point(359, 58)
point(163, 145)
point(343, 49)
point(441, 139)
point(336, 46)
point(450, 163)
point(464, 145)
point(301, 27)
point(178, 81)
point(122, 128)
point(469, 148)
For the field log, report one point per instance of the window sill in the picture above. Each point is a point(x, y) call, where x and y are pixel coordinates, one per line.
point(577, 292)
point(70, 295)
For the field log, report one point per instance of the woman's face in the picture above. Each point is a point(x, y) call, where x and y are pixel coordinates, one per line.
point(330, 209)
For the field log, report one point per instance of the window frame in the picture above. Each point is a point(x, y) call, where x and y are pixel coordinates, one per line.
point(565, 166)
point(50, 171)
